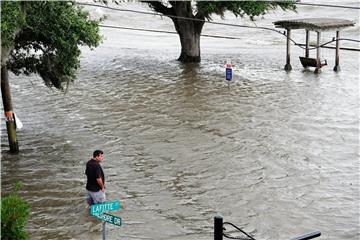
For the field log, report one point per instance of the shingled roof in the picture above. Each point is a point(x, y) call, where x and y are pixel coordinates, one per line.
point(314, 24)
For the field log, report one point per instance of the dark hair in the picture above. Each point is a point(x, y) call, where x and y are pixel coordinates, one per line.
point(97, 153)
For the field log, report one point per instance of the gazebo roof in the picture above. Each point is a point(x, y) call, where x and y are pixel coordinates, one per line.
point(314, 24)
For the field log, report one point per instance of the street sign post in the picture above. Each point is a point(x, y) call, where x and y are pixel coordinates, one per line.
point(101, 210)
point(228, 71)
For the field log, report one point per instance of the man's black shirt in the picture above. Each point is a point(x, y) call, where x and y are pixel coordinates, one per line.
point(93, 171)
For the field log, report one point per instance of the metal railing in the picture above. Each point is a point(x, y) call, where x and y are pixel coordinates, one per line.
point(219, 232)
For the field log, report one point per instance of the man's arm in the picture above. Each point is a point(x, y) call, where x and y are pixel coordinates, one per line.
point(101, 184)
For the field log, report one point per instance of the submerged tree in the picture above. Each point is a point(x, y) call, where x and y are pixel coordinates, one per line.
point(189, 18)
point(42, 37)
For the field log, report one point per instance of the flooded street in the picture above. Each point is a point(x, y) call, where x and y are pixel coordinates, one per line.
point(276, 153)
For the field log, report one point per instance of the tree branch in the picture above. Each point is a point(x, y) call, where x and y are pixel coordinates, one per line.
point(160, 8)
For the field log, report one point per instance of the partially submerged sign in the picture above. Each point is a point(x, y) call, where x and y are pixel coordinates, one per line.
point(101, 210)
point(228, 71)
point(104, 207)
point(108, 218)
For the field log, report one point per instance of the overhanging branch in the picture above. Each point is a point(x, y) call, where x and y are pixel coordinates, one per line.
point(160, 8)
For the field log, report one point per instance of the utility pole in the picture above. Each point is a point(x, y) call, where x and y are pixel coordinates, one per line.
point(8, 109)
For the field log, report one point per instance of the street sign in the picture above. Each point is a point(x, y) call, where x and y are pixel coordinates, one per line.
point(109, 218)
point(228, 74)
point(104, 207)
point(101, 210)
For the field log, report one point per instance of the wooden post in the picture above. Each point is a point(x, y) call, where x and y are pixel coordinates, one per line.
point(307, 44)
point(337, 66)
point(9, 116)
point(288, 36)
point(318, 53)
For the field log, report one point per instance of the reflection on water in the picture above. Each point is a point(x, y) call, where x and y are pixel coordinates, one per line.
point(276, 154)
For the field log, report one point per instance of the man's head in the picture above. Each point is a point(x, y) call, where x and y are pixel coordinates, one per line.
point(98, 155)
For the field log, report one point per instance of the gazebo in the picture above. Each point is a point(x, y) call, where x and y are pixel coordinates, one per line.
point(318, 25)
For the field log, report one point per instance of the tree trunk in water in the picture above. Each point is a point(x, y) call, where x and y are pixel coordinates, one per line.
point(187, 25)
point(190, 47)
point(9, 116)
point(189, 32)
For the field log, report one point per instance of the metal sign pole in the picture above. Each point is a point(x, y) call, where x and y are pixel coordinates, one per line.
point(101, 210)
point(228, 72)
point(103, 231)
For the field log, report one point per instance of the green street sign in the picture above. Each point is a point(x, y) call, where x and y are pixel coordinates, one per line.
point(109, 218)
point(104, 207)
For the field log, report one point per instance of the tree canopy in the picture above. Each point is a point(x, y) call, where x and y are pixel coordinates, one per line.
point(241, 8)
point(44, 37)
point(204, 9)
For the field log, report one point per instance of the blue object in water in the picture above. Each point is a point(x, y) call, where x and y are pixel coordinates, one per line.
point(228, 74)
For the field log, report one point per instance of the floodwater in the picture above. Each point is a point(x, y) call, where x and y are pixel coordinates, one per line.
point(275, 153)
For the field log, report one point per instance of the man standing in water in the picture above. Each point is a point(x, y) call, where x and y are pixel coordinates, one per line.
point(95, 184)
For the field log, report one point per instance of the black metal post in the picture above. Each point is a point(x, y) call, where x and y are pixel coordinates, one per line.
point(218, 228)
point(318, 53)
point(103, 232)
point(308, 236)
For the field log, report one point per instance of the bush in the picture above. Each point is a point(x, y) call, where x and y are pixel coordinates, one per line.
point(14, 215)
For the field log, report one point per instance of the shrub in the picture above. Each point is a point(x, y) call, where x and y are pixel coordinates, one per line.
point(14, 215)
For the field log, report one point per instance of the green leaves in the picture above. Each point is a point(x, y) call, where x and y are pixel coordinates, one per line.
point(12, 19)
point(241, 8)
point(14, 215)
point(49, 41)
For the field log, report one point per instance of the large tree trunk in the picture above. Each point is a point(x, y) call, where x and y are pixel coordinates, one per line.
point(189, 31)
point(190, 43)
point(187, 25)
point(9, 116)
